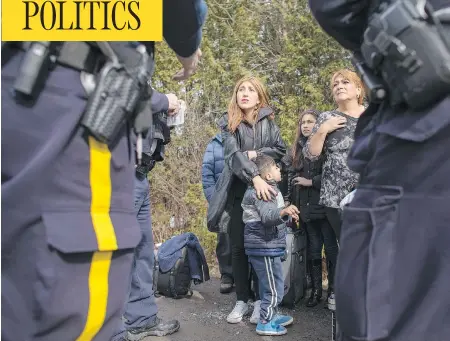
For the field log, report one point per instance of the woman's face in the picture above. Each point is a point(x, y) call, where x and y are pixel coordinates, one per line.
point(307, 124)
point(247, 96)
point(344, 90)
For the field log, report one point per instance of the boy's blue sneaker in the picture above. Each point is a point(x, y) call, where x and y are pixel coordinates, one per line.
point(283, 320)
point(270, 328)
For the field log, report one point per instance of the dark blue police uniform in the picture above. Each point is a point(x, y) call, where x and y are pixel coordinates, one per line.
point(69, 225)
point(394, 263)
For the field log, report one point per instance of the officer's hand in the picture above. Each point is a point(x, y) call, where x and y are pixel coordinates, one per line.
point(189, 66)
point(174, 105)
point(334, 123)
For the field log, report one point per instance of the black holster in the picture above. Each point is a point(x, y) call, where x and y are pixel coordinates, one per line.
point(408, 49)
point(118, 93)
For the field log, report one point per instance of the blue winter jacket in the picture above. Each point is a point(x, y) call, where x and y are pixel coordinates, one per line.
point(212, 167)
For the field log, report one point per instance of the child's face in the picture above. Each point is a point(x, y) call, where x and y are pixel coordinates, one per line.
point(274, 173)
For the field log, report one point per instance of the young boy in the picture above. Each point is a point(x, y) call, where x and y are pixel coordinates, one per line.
point(265, 243)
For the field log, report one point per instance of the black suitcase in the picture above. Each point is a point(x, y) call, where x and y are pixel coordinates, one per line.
point(294, 267)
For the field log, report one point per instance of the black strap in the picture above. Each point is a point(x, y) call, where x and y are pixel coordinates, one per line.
point(172, 289)
point(87, 56)
point(77, 55)
point(81, 56)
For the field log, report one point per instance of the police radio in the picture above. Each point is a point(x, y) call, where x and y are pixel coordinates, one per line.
point(407, 46)
point(37, 63)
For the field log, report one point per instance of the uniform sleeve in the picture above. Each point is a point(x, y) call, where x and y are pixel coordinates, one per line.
point(306, 153)
point(269, 212)
point(159, 102)
point(344, 20)
point(208, 182)
point(279, 148)
point(182, 25)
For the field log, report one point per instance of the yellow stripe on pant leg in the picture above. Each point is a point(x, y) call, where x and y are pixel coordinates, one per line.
point(98, 294)
point(100, 181)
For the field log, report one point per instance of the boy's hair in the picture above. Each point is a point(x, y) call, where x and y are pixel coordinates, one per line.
point(264, 163)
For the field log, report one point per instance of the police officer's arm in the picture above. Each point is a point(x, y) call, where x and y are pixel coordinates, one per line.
point(164, 102)
point(159, 102)
point(344, 20)
point(183, 21)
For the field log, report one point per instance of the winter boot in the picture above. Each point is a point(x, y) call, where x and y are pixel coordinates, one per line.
point(316, 275)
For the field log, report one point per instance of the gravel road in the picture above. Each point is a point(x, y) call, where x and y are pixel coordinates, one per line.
point(203, 318)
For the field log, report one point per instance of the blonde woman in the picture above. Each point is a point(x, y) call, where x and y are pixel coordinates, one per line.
point(248, 130)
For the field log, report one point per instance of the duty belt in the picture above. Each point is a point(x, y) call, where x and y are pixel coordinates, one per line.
point(80, 56)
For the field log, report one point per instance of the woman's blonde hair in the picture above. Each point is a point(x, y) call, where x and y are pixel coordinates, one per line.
point(235, 114)
point(352, 77)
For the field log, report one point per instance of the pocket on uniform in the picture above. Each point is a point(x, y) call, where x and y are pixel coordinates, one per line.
point(64, 258)
point(74, 232)
point(365, 268)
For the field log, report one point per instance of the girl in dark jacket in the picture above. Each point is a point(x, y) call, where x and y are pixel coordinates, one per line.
point(304, 192)
point(248, 130)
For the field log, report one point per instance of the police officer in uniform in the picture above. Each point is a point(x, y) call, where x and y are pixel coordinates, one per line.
point(392, 278)
point(69, 226)
point(140, 316)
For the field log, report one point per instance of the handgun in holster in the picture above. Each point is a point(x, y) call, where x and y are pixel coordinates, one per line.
point(406, 49)
point(120, 96)
point(120, 89)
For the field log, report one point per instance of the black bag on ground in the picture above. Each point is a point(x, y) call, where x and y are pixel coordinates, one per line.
point(294, 267)
point(176, 282)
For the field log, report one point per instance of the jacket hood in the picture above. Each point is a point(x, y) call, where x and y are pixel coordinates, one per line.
point(218, 138)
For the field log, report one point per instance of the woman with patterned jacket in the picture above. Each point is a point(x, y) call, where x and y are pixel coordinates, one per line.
point(332, 137)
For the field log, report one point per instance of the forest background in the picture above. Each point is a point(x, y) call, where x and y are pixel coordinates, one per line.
point(278, 41)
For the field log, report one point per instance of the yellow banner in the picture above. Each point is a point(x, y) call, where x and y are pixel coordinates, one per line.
point(81, 20)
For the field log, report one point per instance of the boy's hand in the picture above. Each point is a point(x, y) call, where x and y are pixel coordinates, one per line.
point(292, 211)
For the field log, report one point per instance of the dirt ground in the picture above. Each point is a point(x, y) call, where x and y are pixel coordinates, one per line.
point(203, 318)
